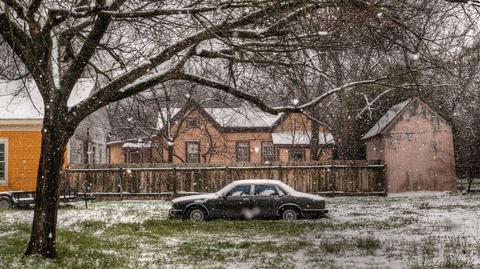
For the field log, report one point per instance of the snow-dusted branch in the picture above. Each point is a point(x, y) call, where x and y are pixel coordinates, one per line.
point(469, 2)
point(254, 99)
point(174, 11)
point(318, 99)
point(369, 104)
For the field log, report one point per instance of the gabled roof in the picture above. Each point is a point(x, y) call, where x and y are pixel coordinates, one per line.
point(242, 117)
point(386, 119)
point(245, 116)
point(19, 103)
point(164, 112)
point(300, 138)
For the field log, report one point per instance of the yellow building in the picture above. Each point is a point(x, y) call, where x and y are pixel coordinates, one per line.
point(21, 113)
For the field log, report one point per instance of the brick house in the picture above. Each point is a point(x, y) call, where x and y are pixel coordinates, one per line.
point(416, 144)
point(21, 119)
point(225, 135)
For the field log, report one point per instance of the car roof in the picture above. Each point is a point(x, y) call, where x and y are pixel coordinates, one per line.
point(257, 181)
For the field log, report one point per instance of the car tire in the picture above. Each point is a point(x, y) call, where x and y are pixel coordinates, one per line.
point(196, 214)
point(5, 204)
point(290, 214)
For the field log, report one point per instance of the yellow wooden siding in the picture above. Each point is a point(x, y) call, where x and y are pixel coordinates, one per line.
point(23, 156)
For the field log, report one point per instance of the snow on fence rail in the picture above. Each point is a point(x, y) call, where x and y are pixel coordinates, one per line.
point(336, 177)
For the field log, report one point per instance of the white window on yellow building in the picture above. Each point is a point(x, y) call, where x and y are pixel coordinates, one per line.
point(3, 160)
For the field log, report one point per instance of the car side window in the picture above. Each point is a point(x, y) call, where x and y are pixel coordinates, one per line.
point(266, 190)
point(240, 190)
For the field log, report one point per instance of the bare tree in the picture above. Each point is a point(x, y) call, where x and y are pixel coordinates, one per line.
point(131, 46)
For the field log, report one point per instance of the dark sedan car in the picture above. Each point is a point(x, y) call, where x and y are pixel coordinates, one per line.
point(250, 199)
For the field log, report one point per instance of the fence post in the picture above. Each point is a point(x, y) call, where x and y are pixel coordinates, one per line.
point(280, 174)
point(385, 179)
point(120, 171)
point(85, 186)
point(225, 178)
point(174, 180)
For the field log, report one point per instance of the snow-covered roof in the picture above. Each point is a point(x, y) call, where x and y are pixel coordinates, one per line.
point(19, 101)
point(300, 138)
point(136, 145)
point(163, 113)
point(244, 116)
point(386, 119)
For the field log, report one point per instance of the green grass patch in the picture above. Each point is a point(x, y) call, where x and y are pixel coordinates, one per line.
point(369, 244)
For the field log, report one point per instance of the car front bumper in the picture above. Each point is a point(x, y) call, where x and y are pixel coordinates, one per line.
point(175, 213)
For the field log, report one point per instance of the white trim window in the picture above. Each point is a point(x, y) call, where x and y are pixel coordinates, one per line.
point(3, 160)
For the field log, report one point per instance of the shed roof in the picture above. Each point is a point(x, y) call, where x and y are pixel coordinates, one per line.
point(383, 122)
point(19, 100)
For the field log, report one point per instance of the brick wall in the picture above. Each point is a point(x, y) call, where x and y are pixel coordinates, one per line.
point(219, 147)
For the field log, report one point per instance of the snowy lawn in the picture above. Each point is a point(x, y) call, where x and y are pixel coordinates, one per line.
point(424, 231)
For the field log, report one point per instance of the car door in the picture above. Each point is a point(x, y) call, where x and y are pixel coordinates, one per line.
point(238, 201)
point(266, 200)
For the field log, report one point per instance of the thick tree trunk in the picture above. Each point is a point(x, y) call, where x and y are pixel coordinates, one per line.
point(43, 236)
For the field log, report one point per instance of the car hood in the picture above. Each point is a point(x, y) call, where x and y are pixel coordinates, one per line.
point(307, 195)
point(194, 198)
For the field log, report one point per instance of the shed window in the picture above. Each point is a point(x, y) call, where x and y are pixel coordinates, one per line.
point(193, 152)
point(243, 151)
point(3, 161)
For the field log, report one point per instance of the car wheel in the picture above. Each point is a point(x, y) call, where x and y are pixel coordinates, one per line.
point(196, 214)
point(5, 204)
point(289, 214)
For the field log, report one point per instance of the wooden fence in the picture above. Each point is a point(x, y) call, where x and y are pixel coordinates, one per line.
point(332, 177)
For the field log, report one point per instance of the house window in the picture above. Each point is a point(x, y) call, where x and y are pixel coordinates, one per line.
point(243, 151)
point(296, 155)
point(134, 157)
point(3, 161)
point(267, 151)
point(193, 152)
point(76, 151)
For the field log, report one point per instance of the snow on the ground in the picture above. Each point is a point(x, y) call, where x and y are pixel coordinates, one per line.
point(412, 194)
point(109, 213)
point(413, 229)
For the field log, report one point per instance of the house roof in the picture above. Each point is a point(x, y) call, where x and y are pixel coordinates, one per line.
point(300, 138)
point(245, 116)
point(19, 103)
point(385, 120)
point(164, 112)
